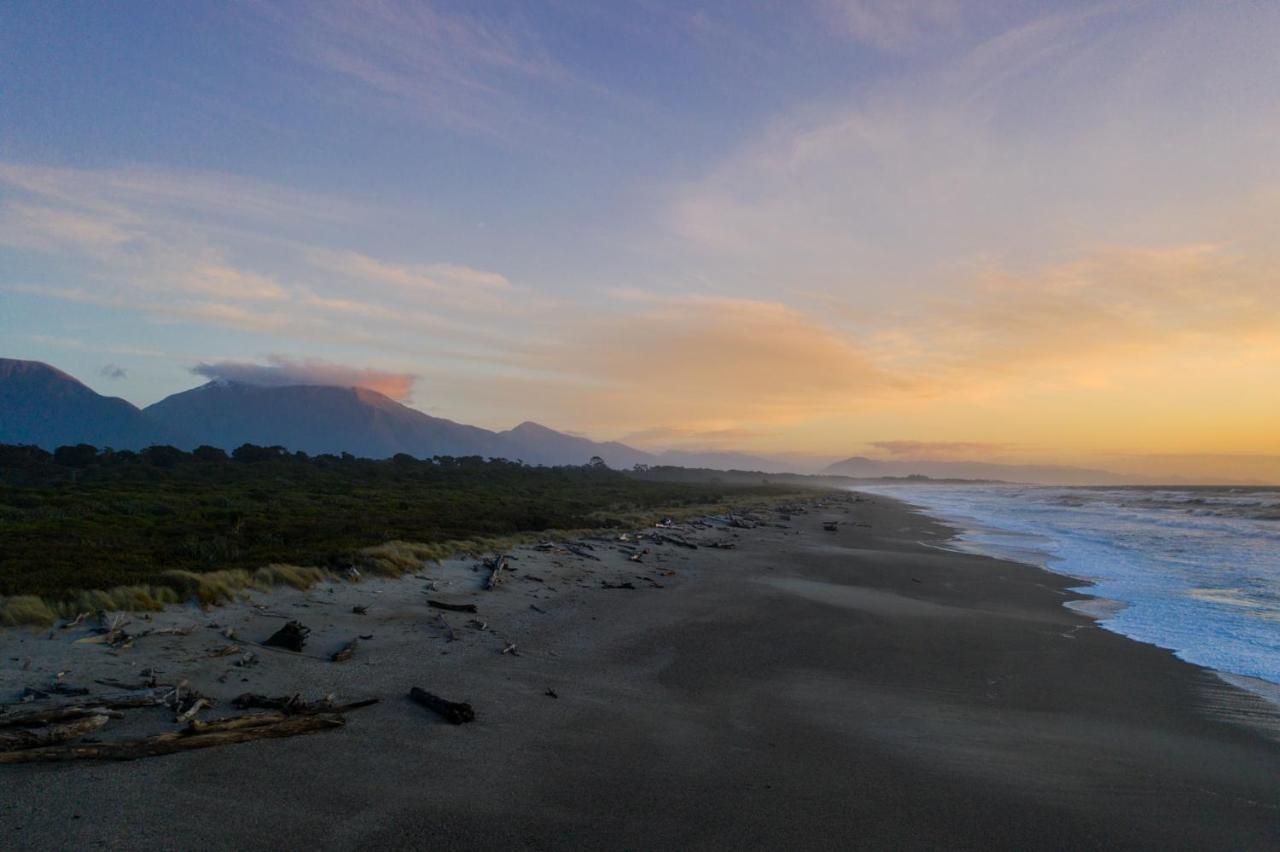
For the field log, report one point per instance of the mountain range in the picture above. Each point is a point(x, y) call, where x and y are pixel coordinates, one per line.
point(42, 405)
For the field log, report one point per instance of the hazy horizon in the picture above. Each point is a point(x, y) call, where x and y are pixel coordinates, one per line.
point(1012, 232)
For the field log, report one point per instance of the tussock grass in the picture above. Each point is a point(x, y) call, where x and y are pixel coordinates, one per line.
point(297, 576)
point(210, 588)
point(25, 609)
point(136, 598)
point(216, 587)
point(396, 558)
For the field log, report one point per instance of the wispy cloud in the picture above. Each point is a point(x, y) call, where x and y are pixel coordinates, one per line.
point(937, 450)
point(112, 371)
point(473, 72)
point(452, 284)
point(233, 253)
point(898, 24)
point(890, 191)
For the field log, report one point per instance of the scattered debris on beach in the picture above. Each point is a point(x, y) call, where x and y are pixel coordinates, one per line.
point(61, 720)
point(454, 712)
point(44, 735)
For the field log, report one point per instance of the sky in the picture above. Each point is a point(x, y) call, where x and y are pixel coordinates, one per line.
point(964, 229)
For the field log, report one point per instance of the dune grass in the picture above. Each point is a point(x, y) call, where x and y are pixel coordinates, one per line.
point(126, 534)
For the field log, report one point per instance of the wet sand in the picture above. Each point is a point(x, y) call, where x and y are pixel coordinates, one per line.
point(808, 689)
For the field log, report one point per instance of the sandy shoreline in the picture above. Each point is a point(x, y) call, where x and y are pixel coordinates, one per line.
point(805, 689)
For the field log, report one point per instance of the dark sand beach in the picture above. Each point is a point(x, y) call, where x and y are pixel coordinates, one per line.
point(806, 690)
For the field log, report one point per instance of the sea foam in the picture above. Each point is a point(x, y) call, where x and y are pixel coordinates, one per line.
point(1194, 570)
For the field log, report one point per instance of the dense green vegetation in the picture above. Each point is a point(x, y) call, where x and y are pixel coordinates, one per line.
point(86, 519)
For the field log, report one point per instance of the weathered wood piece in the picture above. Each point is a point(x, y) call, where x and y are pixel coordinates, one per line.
point(172, 742)
point(293, 705)
point(290, 637)
point(74, 729)
point(49, 715)
point(451, 607)
point(346, 652)
point(578, 550)
point(678, 542)
point(235, 723)
point(454, 712)
point(190, 713)
point(495, 572)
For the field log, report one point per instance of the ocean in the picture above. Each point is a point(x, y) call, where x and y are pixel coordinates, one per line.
point(1194, 570)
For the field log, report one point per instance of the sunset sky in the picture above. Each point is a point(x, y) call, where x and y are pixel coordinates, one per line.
point(1013, 231)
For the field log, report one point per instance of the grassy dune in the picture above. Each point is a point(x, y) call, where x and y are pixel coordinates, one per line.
point(138, 531)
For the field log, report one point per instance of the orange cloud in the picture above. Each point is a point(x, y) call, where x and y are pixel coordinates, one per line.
point(1084, 319)
point(280, 370)
point(708, 363)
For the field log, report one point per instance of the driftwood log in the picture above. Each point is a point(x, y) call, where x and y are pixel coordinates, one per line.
point(451, 607)
point(577, 550)
point(50, 715)
point(207, 735)
point(454, 712)
point(74, 729)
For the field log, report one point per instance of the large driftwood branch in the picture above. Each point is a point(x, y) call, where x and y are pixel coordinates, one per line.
point(50, 715)
point(170, 743)
point(25, 739)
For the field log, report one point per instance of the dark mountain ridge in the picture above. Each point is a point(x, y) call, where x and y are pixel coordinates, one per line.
point(42, 405)
point(316, 419)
